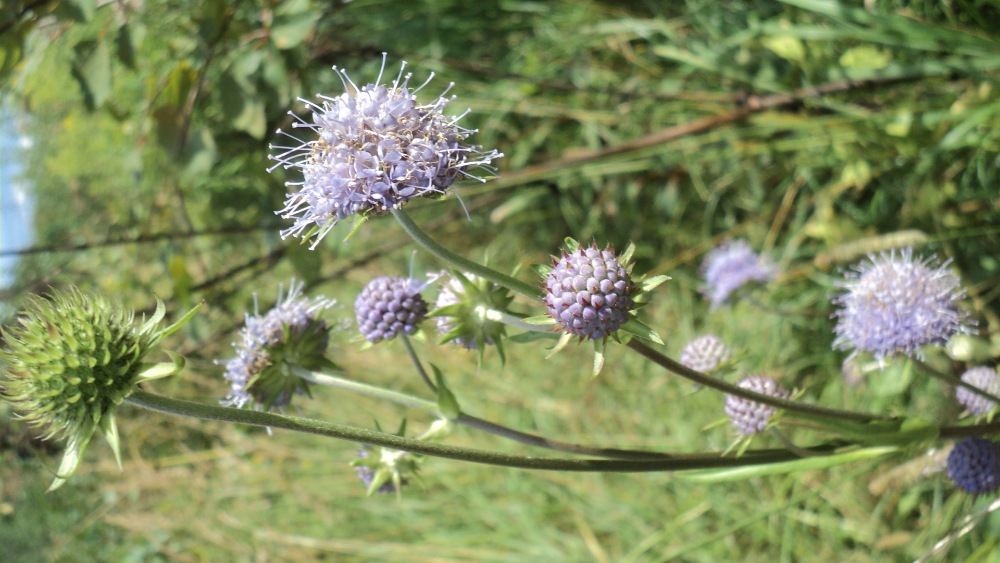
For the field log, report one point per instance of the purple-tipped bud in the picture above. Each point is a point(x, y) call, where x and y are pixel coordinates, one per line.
point(974, 466)
point(750, 417)
point(705, 353)
point(388, 306)
point(984, 378)
point(894, 303)
point(589, 292)
point(731, 265)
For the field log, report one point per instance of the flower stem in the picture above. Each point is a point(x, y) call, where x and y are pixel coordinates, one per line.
point(430, 245)
point(510, 320)
point(952, 380)
point(524, 437)
point(179, 407)
point(416, 362)
point(337, 382)
point(792, 407)
point(508, 433)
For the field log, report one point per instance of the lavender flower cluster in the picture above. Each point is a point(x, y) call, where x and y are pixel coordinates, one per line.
point(896, 304)
point(589, 292)
point(375, 148)
point(732, 265)
point(292, 319)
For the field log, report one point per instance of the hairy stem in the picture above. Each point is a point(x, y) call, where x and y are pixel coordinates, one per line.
point(499, 430)
point(791, 407)
point(179, 407)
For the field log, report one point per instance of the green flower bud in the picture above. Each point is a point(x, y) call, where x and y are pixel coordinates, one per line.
point(71, 360)
point(468, 310)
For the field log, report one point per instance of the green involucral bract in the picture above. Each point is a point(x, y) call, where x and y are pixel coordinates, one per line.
point(71, 359)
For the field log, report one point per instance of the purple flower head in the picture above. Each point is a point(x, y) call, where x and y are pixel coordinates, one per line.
point(290, 335)
point(750, 417)
point(589, 292)
point(895, 304)
point(375, 148)
point(984, 378)
point(388, 306)
point(731, 265)
point(705, 353)
point(974, 466)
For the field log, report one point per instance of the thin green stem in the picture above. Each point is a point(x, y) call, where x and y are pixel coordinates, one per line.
point(499, 430)
point(416, 362)
point(338, 382)
point(953, 380)
point(792, 407)
point(461, 263)
point(510, 320)
point(179, 407)
point(531, 439)
point(789, 445)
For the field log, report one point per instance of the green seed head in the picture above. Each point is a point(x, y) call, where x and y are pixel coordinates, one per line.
point(70, 360)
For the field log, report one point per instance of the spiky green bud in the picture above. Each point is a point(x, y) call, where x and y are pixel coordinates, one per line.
point(468, 308)
point(70, 360)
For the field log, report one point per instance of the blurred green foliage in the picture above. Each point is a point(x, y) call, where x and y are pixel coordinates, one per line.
point(802, 125)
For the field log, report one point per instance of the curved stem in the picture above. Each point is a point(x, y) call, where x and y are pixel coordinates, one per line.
point(789, 445)
point(416, 362)
point(811, 411)
point(179, 407)
point(510, 320)
point(568, 447)
point(956, 381)
point(483, 424)
point(461, 263)
point(365, 389)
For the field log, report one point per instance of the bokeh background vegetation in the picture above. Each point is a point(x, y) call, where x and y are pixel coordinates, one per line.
point(804, 126)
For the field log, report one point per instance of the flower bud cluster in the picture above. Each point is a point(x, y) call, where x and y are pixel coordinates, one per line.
point(388, 306)
point(750, 417)
point(589, 292)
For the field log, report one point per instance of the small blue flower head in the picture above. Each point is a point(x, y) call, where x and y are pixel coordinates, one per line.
point(388, 306)
point(375, 148)
point(894, 303)
point(464, 309)
point(750, 417)
point(272, 346)
point(974, 466)
point(732, 265)
point(589, 292)
point(984, 378)
point(705, 353)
